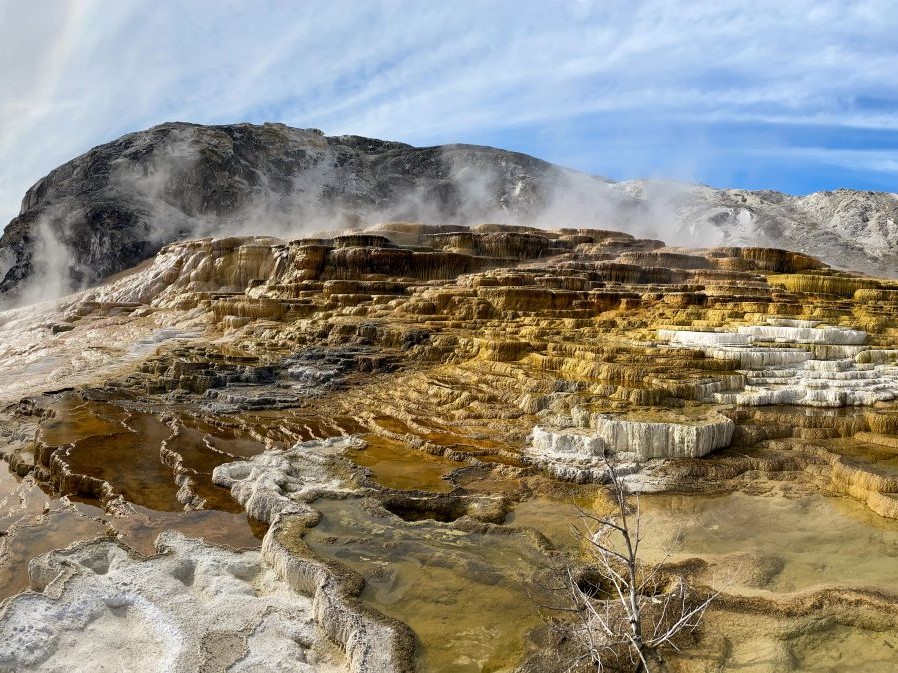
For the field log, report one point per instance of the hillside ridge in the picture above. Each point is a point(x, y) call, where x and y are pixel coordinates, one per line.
point(120, 202)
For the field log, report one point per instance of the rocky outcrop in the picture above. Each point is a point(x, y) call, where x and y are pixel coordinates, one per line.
point(119, 203)
point(371, 641)
point(581, 455)
point(648, 439)
point(846, 228)
point(568, 454)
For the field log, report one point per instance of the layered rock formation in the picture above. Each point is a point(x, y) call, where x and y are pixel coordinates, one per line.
point(272, 484)
point(393, 397)
point(119, 203)
point(581, 455)
point(846, 374)
point(558, 327)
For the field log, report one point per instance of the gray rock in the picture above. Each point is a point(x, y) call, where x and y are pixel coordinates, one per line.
point(119, 203)
point(116, 205)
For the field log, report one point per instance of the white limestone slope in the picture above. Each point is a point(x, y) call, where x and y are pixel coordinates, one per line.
point(275, 487)
point(578, 453)
point(97, 606)
point(36, 356)
point(797, 362)
point(659, 439)
point(278, 482)
point(569, 454)
point(848, 229)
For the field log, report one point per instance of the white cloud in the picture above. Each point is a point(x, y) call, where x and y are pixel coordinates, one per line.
point(82, 72)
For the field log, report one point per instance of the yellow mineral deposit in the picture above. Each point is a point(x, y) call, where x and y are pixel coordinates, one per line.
point(398, 422)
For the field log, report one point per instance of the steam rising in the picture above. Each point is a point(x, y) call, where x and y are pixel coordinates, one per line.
point(560, 198)
point(51, 267)
point(178, 197)
point(179, 182)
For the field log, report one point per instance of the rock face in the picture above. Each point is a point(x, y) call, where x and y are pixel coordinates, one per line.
point(578, 454)
point(847, 228)
point(120, 202)
point(660, 439)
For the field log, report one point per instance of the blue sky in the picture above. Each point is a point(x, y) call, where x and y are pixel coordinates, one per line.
point(792, 95)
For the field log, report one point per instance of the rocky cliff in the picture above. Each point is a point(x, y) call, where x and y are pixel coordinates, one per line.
point(121, 202)
point(849, 229)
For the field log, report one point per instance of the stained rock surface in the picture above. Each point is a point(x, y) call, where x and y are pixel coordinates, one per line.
point(476, 335)
point(486, 372)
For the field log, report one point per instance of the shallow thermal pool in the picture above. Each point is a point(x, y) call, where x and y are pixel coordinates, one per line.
point(395, 466)
point(468, 596)
point(764, 546)
point(123, 448)
point(471, 598)
point(818, 540)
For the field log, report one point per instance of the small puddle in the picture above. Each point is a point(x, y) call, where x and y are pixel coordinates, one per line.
point(122, 447)
point(819, 540)
point(54, 530)
point(140, 529)
point(552, 517)
point(866, 455)
point(226, 439)
point(130, 461)
point(75, 419)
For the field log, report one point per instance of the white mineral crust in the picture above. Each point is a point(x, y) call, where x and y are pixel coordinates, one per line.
point(578, 454)
point(275, 482)
point(97, 606)
point(823, 366)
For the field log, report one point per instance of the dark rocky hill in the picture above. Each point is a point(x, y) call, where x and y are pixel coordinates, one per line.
point(120, 202)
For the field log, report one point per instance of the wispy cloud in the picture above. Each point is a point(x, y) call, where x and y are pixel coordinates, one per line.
point(855, 159)
point(82, 72)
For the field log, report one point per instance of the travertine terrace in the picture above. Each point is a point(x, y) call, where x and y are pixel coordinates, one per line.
point(451, 375)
